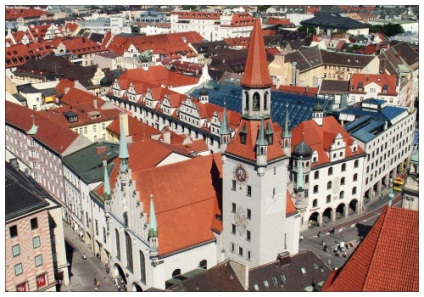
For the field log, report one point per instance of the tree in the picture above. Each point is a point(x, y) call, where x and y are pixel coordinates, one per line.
point(391, 29)
point(304, 29)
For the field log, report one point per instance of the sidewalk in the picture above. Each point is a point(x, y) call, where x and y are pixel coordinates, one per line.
point(370, 209)
point(83, 272)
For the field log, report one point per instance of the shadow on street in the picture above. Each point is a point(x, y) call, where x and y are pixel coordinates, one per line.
point(362, 229)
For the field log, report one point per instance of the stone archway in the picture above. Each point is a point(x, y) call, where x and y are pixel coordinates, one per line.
point(340, 211)
point(120, 273)
point(327, 215)
point(353, 206)
point(136, 288)
point(313, 219)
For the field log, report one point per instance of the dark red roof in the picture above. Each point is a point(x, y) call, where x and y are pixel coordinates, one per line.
point(256, 73)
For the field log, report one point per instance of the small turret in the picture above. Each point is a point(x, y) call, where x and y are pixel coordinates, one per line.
point(286, 135)
point(261, 147)
point(224, 132)
point(153, 230)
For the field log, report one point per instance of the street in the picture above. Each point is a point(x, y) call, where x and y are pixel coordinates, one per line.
point(83, 272)
point(350, 230)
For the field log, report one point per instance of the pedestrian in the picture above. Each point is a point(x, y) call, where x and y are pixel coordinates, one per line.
point(301, 238)
point(319, 234)
point(116, 282)
point(119, 288)
point(322, 242)
point(95, 281)
point(345, 254)
point(95, 288)
point(97, 284)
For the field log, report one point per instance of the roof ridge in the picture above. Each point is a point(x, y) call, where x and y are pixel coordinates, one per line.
point(375, 248)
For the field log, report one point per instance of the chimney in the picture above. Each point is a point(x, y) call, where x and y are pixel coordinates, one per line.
point(167, 137)
point(283, 259)
point(123, 118)
point(95, 103)
point(294, 73)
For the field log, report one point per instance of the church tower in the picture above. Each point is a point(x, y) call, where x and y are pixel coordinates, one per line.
point(255, 174)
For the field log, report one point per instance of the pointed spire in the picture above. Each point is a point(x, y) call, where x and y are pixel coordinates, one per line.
point(153, 226)
point(224, 123)
point(34, 127)
point(123, 150)
point(300, 183)
point(261, 141)
point(286, 132)
point(106, 183)
point(256, 73)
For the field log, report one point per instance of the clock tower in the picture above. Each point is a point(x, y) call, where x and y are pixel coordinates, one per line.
point(255, 176)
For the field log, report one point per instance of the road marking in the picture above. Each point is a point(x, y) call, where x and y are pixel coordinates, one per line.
point(364, 220)
point(353, 225)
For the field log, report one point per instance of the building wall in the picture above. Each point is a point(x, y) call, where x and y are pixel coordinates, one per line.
point(28, 253)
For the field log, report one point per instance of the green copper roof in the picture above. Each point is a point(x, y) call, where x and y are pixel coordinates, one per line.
point(261, 141)
point(300, 184)
point(34, 127)
point(153, 226)
point(106, 188)
point(224, 123)
point(123, 149)
point(286, 133)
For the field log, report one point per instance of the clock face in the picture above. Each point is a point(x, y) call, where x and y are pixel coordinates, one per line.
point(240, 174)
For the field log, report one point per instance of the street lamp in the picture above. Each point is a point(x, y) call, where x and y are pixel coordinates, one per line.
point(391, 195)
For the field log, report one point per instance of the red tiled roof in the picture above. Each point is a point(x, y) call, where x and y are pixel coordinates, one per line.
point(197, 15)
point(240, 20)
point(186, 212)
point(279, 21)
point(320, 138)
point(76, 96)
point(82, 46)
point(63, 84)
point(248, 150)
point(26, 13)
point(137, 129)
point(52, 134)
point(256, 72)
point(386, 260)
point(379, 79)
point(290, 208)
point(299, 90)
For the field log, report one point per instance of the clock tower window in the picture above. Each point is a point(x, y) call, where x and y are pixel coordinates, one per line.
point(249, 191)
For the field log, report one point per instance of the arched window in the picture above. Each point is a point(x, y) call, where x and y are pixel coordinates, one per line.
point(330, 171)
point(356, 164)
point(316, 175)
point(266, 101)
point(246, 93)
point(315, 203)
point(203, 264)
point(355, 177)
point(329, 185)
point(176, 272)
point(125, 216)
point(118, 245)
point(342, 181)
point(341, 194)
point(128, 243)
point(255, 103)
point(344, 167)
point(316, 189)
point(354, 191)
point(142, 268)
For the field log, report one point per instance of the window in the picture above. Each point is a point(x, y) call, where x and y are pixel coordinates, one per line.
point(316, 175)
point(248, 255)
point(142, 268)
point(342, 181)
point(232, 247)
point(315, 203)
point(233, 229)
point(34, 223)
point(233, 207)
point(330, 171)
point(85, 130)
point(240, 251)
point(104, 234)
point(249, 191)
point(328, 198)
point(356, 164)
point(355, 177)
point(233, 185)
point(128, 243)
point(341, 194)
point(13, 230)
point(315, 189)
point(36, 242)
point(249, 214)
point(344, 167)
point(248, 235)
point(97, 226)
point(38, 260)
point(16, 250)
point(329, 185)
point(94, 128)
point(118, 245)
point(18, 269)
point(354, 191)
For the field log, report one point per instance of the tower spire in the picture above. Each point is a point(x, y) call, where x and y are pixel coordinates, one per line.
point(153, 225)
point(256, 73)
point(106, 183)
point(123, 150)
point(300, 184)
point(224, 132)
point(286, 132)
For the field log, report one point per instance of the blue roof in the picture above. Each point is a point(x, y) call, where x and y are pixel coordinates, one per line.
point(366, 132)
point(300, 106)
point(388, 113)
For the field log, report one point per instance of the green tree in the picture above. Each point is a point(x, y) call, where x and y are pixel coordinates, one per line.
point(263, 7)
point(304, 29)
point(391, 29)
